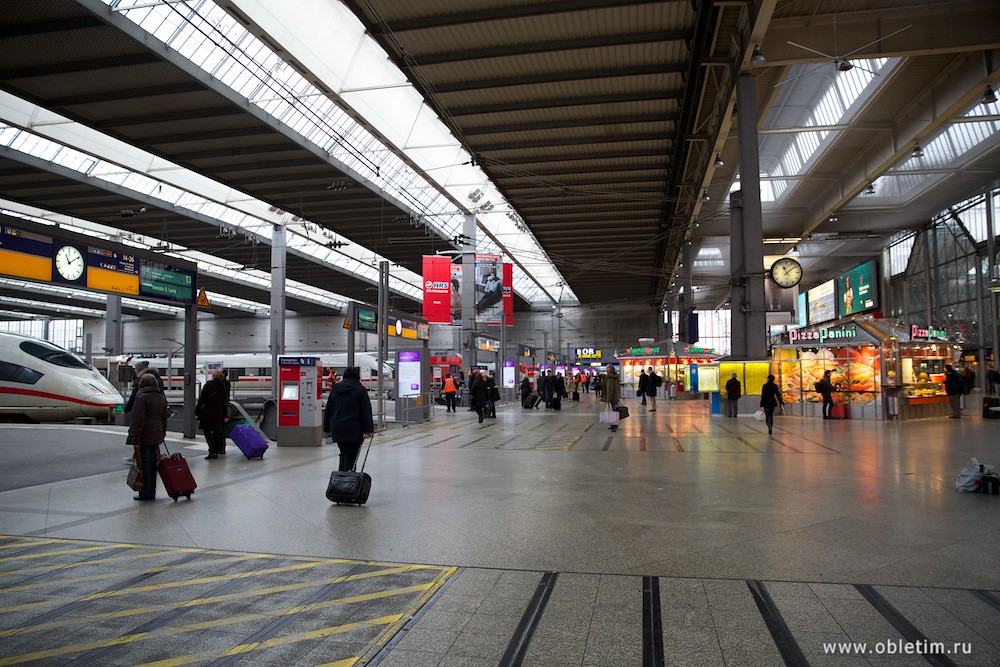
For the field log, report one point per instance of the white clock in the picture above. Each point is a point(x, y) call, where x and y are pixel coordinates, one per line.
point(786, 272)
point(70, 262)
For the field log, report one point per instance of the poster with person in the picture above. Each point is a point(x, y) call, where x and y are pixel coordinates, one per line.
point(489, 289)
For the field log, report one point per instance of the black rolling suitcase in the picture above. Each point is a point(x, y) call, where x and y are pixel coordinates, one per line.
point(557, 403)
point(576, 396)
point(350, 486)
point(991, 402)
point(530, 401)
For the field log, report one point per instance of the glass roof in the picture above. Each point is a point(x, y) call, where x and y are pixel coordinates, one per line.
point(300, 238)
point(361, 74)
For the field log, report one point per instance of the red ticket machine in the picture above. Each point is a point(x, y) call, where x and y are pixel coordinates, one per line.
point(300, 416)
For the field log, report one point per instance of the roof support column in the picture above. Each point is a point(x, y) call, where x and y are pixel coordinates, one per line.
point(190, 368)
point(469, 291)
point(928, 249)
point(113, 326)
point(747, 243)
point(278, 264)
point(991, 250)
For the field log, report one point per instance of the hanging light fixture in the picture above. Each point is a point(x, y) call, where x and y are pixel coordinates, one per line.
point(833, 218)
point(918, 152)
point(719, 164)
point(989, 97)
point(757, 59)
point(705, 197)
point(870, 189)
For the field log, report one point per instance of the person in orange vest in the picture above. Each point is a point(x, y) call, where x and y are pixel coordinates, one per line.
point(450, 391)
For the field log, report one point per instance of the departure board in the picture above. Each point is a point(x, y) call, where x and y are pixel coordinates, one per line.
point(165, 281)
point(25, 254)
point(112, 271)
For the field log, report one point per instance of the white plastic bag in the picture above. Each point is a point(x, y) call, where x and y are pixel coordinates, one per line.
point(968, 479)
point(759, 415)
point(610, 416)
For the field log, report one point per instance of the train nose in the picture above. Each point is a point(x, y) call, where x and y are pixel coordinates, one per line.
point(93, 394)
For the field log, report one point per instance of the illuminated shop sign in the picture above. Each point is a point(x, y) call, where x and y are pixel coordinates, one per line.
point(843, 333)
point(643, 350)
point(587, 353)
point(927, 334)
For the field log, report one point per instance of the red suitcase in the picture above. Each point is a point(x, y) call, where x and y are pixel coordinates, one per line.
point(176, 476)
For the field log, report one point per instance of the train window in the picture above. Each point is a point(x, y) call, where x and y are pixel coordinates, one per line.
point(14, 373)
point(52, 354)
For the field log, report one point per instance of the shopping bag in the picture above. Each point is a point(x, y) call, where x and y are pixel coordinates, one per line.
point(135, 477)
point(968, 479)
point(759, 415)
point(610, 416)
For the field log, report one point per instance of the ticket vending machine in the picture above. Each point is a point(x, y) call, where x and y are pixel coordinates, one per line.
point(300, 414)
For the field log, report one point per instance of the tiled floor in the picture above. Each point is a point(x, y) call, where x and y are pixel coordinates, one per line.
point(574, 546)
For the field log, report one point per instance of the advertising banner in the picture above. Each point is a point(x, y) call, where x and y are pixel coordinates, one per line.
point(508, 293)
point(856, 290)
point(437, 288)
point(489, 289)
point(822, 303)
point(408, 373)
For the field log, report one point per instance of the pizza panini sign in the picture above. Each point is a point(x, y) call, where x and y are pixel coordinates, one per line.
point(823, 334)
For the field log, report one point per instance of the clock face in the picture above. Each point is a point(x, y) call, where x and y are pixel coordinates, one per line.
point(70, 262)
point(786, 272)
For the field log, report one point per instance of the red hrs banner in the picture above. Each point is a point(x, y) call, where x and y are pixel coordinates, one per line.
point(508, 293)
point(437, 289)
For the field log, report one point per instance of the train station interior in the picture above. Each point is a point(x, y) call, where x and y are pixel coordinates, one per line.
point(707, 189)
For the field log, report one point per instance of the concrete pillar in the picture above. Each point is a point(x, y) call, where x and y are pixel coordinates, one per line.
point(277, 339)
point(928, 248)
point(190, 368)
point(469, 353)
point(755, 315)
point(113, 326)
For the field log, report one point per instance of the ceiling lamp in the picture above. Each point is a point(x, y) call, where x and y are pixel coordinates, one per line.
point(757, 59)
point(918, 152)
point(989, 97)
point(832, 218)
point(719, 164)
point(705, 197)
point(870, 189)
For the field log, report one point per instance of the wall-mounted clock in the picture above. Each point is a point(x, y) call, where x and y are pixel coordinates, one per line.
point(70, 263)
point(786, 272)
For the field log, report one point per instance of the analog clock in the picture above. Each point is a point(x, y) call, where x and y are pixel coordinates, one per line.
point(786, 272)
point(70, 262)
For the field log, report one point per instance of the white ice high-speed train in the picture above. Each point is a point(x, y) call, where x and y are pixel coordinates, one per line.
point(45, 383)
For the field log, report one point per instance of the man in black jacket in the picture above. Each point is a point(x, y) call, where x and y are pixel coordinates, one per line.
point(733, 392)
point(954, 386)
point(348, 417)
point(825, 388)
point(643, 383)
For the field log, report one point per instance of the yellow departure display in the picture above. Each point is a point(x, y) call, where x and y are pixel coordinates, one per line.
point(25, 255)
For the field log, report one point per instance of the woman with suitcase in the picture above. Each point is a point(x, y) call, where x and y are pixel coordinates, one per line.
point(212, 412)
point(147, 429)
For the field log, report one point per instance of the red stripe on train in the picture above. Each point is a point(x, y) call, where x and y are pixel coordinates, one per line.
point(45, 394)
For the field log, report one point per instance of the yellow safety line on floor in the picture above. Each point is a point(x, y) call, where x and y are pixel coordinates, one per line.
point(276, 641)
point(160, 633)
point(22, 545)
point(178, 584)
point(342, 663)
point(227, 560)
point(68, 551)
point(389, 632)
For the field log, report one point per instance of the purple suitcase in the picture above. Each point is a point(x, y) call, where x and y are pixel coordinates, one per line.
point(249, 441)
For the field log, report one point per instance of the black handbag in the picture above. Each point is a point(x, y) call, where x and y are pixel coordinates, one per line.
point(622, 411)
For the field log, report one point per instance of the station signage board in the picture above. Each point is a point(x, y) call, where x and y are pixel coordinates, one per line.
point(822, 303)
point(587, 353)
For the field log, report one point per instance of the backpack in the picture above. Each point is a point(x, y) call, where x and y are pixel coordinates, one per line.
point(657, 381)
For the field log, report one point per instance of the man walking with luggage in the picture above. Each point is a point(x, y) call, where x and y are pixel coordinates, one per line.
point(212, 412)
point(348, 417)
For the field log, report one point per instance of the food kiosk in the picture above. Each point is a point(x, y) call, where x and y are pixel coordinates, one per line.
point(674, 367)
point(879, 370)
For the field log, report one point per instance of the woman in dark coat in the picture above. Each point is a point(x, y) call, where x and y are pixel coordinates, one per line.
point(212, 412)
point(479, 395)
point(147, 429)
point(348, 417)
point(770, 398)
point(525, 389)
